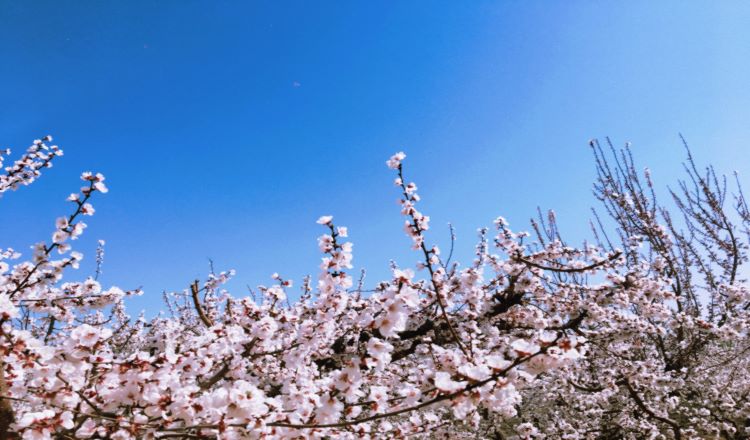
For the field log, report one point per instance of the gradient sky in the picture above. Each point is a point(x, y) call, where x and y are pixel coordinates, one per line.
point(226, 128)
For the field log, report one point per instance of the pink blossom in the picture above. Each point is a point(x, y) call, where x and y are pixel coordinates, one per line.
point(395, 161)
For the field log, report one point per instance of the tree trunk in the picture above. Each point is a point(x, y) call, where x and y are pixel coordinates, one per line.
point(6, 409)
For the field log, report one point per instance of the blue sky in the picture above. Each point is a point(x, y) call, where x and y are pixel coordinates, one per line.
point(226, 128)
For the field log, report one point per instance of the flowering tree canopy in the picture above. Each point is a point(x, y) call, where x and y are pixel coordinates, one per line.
point(644, 336)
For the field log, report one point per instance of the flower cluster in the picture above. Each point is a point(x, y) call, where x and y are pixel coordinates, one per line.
point(27, 168)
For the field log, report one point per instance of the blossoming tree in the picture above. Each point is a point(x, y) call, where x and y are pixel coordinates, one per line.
point(532, 338)
point(676, 366)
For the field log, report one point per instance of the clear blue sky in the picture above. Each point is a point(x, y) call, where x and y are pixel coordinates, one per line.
point(226, 128)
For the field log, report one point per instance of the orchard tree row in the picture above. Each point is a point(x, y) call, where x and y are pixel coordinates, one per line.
point(641, 333)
